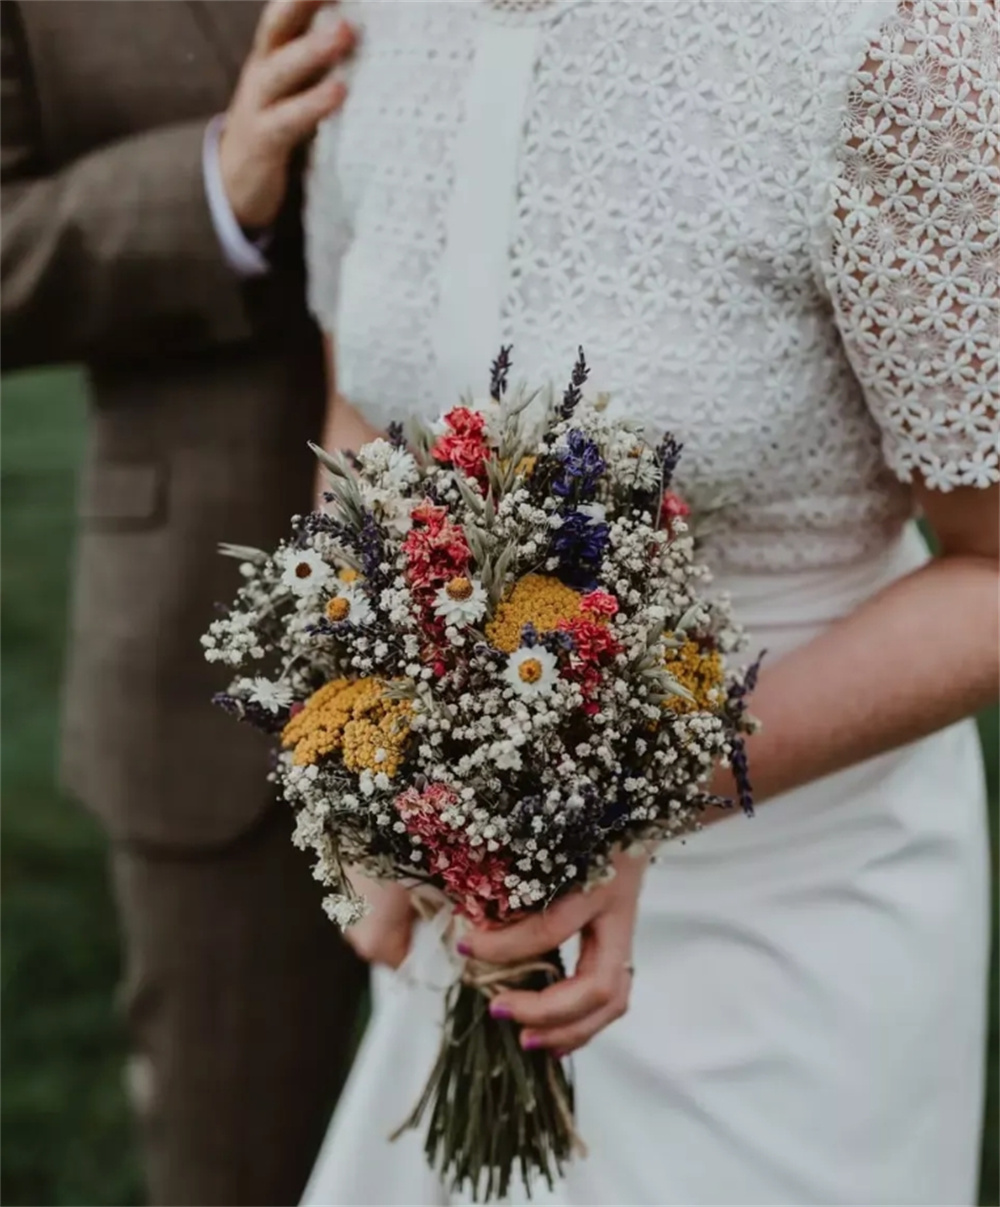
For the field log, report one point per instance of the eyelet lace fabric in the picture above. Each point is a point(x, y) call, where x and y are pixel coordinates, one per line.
point(771, 224)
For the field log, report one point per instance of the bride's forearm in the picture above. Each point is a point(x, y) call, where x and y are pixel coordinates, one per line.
point(920, 655)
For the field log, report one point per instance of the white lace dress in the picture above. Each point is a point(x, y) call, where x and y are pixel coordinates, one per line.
point(773, 228)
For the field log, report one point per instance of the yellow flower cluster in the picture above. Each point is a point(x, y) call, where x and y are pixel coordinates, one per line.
point(700, 671)
point(354, 717)
point(537, 599)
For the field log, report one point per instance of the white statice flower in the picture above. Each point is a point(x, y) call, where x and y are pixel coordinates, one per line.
point(345, 911)
point(531, 671)
point(305, 572)
point(392, 468)
point(461, 601)
point(390, 507)
point(272, 696)
point(350, 603)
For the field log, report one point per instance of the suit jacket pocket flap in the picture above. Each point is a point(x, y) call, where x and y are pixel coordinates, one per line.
point(121, 494)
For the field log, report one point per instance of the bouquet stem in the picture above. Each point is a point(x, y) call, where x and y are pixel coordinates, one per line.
point(491, 1107)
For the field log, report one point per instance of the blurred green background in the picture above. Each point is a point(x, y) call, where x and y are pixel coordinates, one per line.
point(65, 1127)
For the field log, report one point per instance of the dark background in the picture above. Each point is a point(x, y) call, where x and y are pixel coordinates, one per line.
point(65, 1127)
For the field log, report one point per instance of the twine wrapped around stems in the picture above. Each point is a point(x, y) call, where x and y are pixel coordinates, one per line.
point(524, 1098)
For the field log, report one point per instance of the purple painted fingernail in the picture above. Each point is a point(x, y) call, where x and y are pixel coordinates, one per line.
point(499, 1010)
point(530, 1042)
point(463, 948)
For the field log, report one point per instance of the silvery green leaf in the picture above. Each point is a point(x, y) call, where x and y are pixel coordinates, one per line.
point(688, 618)
point(401, 689)
point(677, 689)
point(334, 462)
point(489, 511)
point(470, 498)
point(505, 561)
point(520, 403)
point(347, 557)
point(421, 438)
point(475, 538)
point(244, 553)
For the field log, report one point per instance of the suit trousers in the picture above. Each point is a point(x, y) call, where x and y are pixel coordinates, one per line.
point(242, 1002)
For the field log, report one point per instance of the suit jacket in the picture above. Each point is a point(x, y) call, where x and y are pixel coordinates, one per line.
point(205, 389)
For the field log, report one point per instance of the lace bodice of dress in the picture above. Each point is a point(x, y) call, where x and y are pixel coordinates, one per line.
point(772, 226)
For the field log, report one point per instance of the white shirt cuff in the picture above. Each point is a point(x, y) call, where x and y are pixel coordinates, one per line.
point(245, 258)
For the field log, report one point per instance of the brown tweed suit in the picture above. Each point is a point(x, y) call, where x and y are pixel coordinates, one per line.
point(205, 390)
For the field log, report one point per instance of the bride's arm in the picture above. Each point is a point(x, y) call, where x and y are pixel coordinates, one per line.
point(343, 428)
point(920, 655)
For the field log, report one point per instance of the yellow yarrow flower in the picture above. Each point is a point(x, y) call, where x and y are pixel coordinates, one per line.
point(536, 599)
point(700, 671)
point(355, 717)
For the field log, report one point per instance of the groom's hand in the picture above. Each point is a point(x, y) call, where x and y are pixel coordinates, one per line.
point(383, 936)
point(284, 92)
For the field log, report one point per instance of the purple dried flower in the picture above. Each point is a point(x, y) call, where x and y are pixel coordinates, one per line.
point(668, 454)
point(498, 372)
point(579, 543)
point(581, 467)
point(253, 714)
point(741, 774)
point(573, 395)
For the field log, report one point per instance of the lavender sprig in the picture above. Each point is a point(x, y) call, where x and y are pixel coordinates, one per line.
point(498, 372)
point(668, 454)
point(573, 395)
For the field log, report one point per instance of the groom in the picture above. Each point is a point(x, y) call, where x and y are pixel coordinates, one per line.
point(163, 250)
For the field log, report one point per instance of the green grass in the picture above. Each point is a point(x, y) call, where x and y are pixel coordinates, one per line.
point(65, 1126)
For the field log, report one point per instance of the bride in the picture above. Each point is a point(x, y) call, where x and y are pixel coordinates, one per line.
point(772, 226)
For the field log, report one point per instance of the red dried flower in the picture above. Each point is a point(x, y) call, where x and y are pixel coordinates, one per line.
point(593, 647)
point(599, 603)
point(472, 877)
point(464, 444)
point(672, 507)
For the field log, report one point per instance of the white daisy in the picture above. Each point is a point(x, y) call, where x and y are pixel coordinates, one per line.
point(350, 603)
point(531, 672)
point(272, 696)
point(305, 571)
point(461, 601)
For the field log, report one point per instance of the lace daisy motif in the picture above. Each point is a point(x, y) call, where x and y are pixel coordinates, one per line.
point(913, 266)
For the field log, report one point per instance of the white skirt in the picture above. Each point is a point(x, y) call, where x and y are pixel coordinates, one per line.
point(807, 1023)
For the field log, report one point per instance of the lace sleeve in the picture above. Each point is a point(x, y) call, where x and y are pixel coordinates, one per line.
point(913, 261)
point(327, 230)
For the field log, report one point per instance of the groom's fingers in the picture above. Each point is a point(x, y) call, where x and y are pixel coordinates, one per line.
point(299, 62)
point(283, 20)
point(296, 118)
